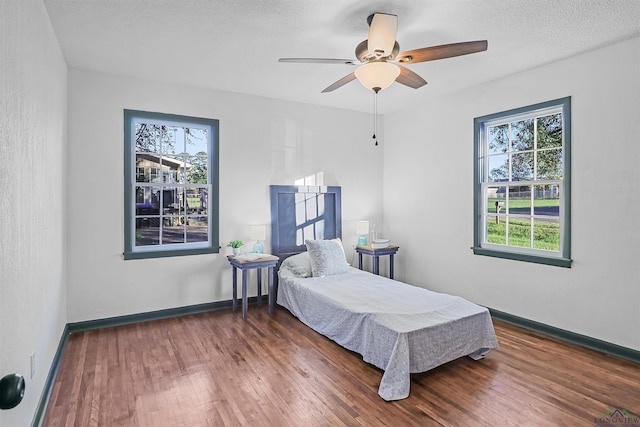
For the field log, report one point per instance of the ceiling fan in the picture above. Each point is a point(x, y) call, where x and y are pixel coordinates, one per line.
point(380, 61)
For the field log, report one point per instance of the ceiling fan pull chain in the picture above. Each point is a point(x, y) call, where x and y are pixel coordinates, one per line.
point(375, 114)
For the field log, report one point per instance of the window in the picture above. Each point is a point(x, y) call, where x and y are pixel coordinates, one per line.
point(522, 184)
point(171, 185)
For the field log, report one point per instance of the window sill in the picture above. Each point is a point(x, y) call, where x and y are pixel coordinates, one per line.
point(554, 261)
point(169, 253)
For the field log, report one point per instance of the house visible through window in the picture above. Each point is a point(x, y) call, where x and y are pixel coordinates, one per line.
point(522, 184)
point(171, 185)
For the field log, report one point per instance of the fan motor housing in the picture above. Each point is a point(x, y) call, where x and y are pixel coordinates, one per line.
point(363, 55)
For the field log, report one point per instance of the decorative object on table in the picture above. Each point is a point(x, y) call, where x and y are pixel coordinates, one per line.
point(235, 245)
point(258, 233)
point(380, 243)
point(374, 233)
point(362, 230)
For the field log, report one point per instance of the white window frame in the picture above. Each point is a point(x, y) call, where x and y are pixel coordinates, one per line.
point(482, 184)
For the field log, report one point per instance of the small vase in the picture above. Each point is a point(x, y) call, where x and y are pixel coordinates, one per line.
point(236, 251)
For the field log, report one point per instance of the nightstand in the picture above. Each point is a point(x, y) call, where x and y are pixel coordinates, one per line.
point(376, 254)
point(269, 262)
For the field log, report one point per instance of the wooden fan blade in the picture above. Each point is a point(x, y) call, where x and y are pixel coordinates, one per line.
point(409, 78)
point(343, 81)
point(319, 60)
point(442, 51)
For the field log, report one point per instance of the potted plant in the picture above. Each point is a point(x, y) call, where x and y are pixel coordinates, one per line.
point(235, 245)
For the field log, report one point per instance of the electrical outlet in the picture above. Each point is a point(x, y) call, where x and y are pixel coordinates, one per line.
point(33, 364)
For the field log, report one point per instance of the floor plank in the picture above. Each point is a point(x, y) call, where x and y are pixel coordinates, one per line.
point(216, 369)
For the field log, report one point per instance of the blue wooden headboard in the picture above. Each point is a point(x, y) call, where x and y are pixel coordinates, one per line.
point(299, 213)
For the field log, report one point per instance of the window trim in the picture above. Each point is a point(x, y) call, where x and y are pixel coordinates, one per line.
point(129, 176)
point(513, 253)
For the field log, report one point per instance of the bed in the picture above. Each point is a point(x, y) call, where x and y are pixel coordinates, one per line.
point(397, 327)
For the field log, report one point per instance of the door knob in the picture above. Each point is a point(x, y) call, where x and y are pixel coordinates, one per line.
point(11, 391)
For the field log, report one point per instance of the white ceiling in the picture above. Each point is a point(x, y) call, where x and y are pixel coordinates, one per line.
point(234, 45)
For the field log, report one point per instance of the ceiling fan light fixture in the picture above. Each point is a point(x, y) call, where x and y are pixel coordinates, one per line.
point(378, 75)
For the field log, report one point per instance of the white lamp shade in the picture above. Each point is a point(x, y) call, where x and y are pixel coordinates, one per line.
point(362, 227)
point(377, 74)
point(258, 232)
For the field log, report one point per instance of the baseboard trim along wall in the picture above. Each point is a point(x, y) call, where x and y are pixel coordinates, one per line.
point(130, 319)
point(71, 328)
point(572, 337)
point(38, 417)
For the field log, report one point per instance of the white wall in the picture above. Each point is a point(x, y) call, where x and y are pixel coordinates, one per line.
point(428, 197)
point(262, 142)
point(33, 115)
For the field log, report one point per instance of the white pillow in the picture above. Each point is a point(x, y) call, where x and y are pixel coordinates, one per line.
point(299, 265)
point(327, 257)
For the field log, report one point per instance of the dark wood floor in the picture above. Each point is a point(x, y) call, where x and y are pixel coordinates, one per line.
point(216, 369)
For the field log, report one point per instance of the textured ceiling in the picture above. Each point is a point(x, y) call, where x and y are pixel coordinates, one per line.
point(234, 45)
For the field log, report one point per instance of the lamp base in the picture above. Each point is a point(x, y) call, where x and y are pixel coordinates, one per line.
point(258, 248)
point(362, 241)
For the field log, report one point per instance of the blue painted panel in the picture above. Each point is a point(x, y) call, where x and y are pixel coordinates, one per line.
point(297, 216)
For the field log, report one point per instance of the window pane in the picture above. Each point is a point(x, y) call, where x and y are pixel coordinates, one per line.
point(170, 140)
point(546, 200)
point(147, 200)
point(522, 166)
point(147, 231)
point(495, 199)
point(196, 141)
point(498, 138)
point(547, 233)
point(170, 220)
point(154, 138)
point(197, 229)
point(147, 167)
point(195, 169)
point(498, 168)
point(147, 219)
point(195, 200)
point(519, 232)
point(550, 164)
point(520, 200)
point(550, 131)
point(173, 231)
point(522, 135)
point(496, 230)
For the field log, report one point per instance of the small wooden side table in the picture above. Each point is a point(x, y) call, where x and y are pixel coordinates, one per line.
point(376, 254)
point(269, 262)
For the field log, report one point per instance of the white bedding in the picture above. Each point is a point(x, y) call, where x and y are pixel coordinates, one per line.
point(397, 327)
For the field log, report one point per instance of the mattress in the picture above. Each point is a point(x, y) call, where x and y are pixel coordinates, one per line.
point(399, 328)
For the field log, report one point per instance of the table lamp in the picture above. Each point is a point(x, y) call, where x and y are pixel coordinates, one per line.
point(258, 232)
point(362, 230)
